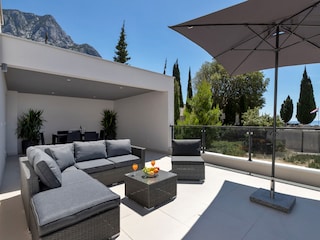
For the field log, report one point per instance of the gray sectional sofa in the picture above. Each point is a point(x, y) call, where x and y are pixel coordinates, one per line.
point(64, 188)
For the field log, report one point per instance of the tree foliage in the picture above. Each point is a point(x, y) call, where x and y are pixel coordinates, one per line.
point(233, 94)
point(252, 118)
point(121, 52)
point(286, 110)
point(306, 101)
point(202, 112)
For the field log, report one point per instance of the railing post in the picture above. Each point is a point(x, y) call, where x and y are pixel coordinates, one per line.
point(250, 133)
point(203, 140)
point(172, 132)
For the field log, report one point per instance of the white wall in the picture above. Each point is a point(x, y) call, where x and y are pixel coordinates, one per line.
point(3, 89)
point(146, 120)
point(60, 113)
point(12, 119)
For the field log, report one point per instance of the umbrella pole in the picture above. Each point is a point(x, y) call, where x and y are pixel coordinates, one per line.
point(274, 134)
point(271, 199)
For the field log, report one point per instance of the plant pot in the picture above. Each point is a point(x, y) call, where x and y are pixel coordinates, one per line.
point(27, 143)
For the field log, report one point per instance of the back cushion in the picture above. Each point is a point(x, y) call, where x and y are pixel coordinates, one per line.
point(84, 151)
point(63, 154)
point(31, 152)
point(118, 147)
point(47, 169)
point(186, 147)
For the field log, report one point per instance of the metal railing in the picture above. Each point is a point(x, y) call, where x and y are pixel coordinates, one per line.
point(252, 142)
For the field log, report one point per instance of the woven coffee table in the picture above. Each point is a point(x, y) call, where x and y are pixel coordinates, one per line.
point(151, 192)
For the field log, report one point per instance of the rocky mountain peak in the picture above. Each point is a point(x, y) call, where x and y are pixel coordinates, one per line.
point(41, 29)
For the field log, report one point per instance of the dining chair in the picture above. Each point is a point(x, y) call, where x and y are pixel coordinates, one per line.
point(90, 136)
point(73, 136)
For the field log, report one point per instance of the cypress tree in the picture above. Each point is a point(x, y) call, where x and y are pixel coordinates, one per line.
point(165, 67)
point(176, 102)
point(176, 74)
point(189, 93)
point(286, 110)
point(121, 52)
point(306, 101)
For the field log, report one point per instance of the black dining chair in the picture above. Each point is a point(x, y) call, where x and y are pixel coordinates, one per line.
point(62, 136)
point(90, 136)
point(73, 136)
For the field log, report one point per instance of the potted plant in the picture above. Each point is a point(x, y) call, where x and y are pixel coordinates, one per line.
point(109, 124)
point(29, 126)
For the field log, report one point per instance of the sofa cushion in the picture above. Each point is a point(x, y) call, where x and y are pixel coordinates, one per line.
point(63, 155)
point(31, 152)
point(96, 165)
point(124, 160)
point(44, 147)
point(186, 147)
point(118, 147)
point(60, 207)
point(47, 169)
point(74, 176)
point(84, 151)
point(187, 160)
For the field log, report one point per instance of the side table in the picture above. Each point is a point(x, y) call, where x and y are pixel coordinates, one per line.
point(150, 192)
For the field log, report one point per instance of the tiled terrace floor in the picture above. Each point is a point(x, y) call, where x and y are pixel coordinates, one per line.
point(217, 209)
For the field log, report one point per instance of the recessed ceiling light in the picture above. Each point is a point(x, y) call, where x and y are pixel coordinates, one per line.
point(68, 80)
point(52, 93)
point(121, 87)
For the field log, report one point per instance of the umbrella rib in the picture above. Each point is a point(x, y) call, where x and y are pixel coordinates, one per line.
point(235, 47)
point(293, 32)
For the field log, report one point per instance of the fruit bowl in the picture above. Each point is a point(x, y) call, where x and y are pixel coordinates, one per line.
point(149, 175)
point(150, 172)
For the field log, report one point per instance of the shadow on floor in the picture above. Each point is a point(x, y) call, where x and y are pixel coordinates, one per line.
point(232, 215)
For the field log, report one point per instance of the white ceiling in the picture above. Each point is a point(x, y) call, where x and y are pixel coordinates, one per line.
point(24, 81)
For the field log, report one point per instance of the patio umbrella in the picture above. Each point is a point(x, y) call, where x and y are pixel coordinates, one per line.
point(259, 34)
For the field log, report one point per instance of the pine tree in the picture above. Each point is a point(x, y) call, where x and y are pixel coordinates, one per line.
point(306, 101)
point(121, 52)
point(189, 93)
point(286, 110)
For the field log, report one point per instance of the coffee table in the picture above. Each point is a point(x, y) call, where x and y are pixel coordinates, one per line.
point(150, 192)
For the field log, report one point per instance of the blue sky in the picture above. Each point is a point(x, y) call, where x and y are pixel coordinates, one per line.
point(150, 41)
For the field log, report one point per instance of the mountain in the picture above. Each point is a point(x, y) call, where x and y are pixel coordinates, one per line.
point(41, 29)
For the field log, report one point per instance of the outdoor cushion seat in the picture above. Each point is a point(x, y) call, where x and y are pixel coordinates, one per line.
point(186, 159)
point(124, 160)
point(74, 176)
point(96, 165)
point(80, 201)
point(194, 160)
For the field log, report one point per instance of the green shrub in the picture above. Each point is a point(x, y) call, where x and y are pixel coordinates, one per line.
point(229, 148)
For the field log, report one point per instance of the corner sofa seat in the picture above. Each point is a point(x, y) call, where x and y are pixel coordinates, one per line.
point(70, 204)
point(64, 188)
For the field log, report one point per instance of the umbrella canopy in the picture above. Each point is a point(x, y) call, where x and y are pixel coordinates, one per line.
point(260, 34)
point(243, 37)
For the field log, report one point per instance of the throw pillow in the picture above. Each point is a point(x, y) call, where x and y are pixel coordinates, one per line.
point(118, 147)
point(47, 169)
point(186, 147)
point(63, 156)
point(84, 151)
